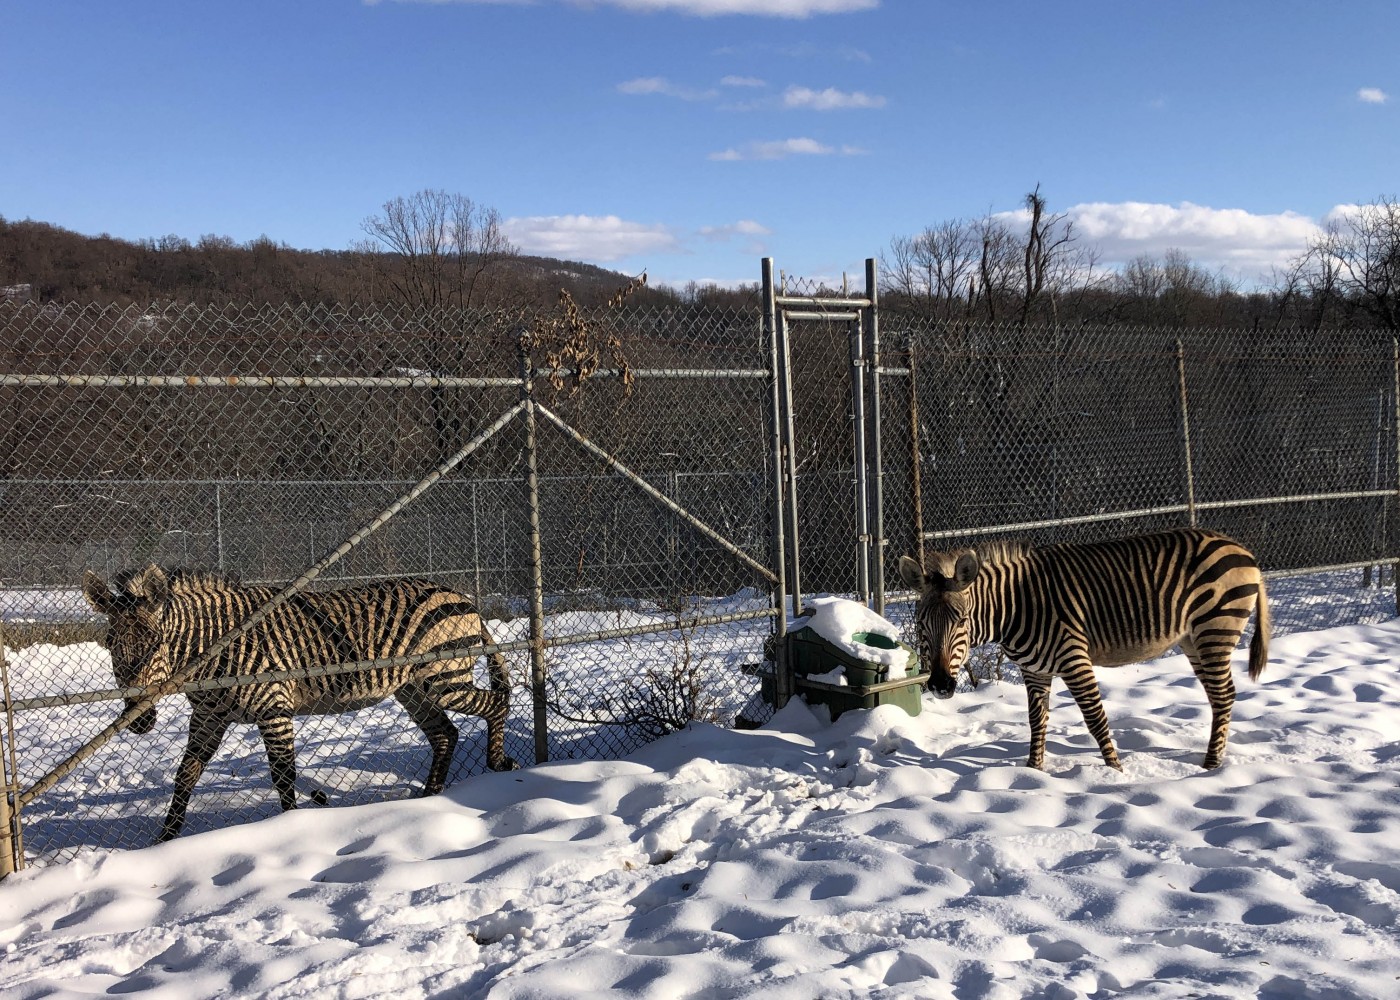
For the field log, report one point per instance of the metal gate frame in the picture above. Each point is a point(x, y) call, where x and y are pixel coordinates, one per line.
point(860, 314)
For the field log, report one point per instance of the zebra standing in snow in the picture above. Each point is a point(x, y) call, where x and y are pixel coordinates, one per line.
point(1057, 610)
point(158, 625)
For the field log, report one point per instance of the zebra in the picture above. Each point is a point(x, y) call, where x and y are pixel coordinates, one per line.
point(159, 624)
point(1057, 610)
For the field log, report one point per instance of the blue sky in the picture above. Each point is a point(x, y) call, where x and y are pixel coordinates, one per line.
point(692, 137)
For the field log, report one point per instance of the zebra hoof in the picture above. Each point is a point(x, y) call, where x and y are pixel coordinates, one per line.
point(505, 764)
point(320, 798)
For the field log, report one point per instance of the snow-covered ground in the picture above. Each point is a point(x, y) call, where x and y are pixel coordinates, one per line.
point(880, 856)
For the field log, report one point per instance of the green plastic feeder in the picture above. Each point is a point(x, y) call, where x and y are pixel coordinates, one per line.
point(866, 682)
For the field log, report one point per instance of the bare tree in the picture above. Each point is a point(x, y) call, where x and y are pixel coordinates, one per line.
point(1355, 263)
point(445, 245)
point(1053, 261)
point(997, 262)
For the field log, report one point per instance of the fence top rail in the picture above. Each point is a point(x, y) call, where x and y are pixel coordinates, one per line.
point(77, 381)
point(1128, 515)
point(229, 681)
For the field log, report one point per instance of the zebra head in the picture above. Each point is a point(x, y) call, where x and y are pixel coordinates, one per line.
point(942, 614)
point(134, 611)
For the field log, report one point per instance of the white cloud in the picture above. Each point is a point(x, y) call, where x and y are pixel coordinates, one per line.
point(780, 149)
point(661, 85)
point(742, 81)
point(796, 9)
point(1244, 243)
point(829, 99)
point(1372, 95)
point(589, 237)
point(749, 233)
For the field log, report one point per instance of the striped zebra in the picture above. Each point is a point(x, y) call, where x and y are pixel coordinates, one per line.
point(1057, 610)
point(159, 624)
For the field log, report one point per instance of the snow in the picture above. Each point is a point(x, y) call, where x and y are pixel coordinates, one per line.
point(879, 856)
point(837, 619)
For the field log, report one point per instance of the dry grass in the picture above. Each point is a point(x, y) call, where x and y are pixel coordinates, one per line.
point(21, 635)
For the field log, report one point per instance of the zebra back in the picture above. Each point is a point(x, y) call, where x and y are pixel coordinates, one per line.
point(1124, 598)
point(373, 621)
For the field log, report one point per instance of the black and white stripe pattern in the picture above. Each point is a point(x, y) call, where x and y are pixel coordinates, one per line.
point(1058, 610)
point(158, 625)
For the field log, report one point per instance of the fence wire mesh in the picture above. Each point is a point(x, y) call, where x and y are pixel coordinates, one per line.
point(1285, 440)
point(255, 441)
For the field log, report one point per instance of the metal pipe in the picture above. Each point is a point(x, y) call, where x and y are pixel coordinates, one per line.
point(475, 651)
point(824, 317)
point(877, 480)
point(538, 693)
point(856, 340)
point(794, 533)
point(821, 303)
point(1186, 432)
point(1125, 515)
point(782, 683)
point(1395, 389)
point(339, 381)
point(11, 832)
point(916, 455)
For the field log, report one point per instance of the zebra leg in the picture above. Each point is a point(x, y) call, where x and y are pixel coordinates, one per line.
point(280, 742)
point(1085, 688)
point(437, 727)
point(1213, 671)
point(206, 733)
point(1038, 707)
point(493, 706)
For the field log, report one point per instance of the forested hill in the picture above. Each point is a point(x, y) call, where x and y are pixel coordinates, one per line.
point(58, 265)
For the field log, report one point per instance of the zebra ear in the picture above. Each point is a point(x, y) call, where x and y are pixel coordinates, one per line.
point(965, 571)
point(98, 594)
point(151, 584)
point(911, 574)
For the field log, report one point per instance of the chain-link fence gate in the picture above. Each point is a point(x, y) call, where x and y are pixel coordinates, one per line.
point(668, 458)
point(601, 483)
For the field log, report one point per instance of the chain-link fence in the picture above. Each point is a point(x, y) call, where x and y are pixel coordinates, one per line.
point(1285, 440)
point(605, 485)
point(599, 482)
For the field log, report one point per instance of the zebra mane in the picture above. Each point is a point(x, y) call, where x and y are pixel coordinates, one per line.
point(1002, 552)
point(186, 580)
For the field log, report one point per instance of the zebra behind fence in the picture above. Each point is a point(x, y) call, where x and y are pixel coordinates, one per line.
point(158, 625)
point(1057, 610)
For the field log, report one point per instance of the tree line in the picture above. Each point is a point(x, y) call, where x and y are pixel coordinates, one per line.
point(432, 249)
point(437, 249)
point(988, 269)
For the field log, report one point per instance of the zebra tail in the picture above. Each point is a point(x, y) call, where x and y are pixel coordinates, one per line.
point(1259, 645)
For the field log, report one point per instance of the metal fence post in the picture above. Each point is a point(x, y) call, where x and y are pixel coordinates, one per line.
point(1395, 396)
point(532, 489)
point(877, 477)
point(862, 463)
point(1186, 432)
point(219, 527)
point(779, 411)
point(11, 839)
point(916, 455)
